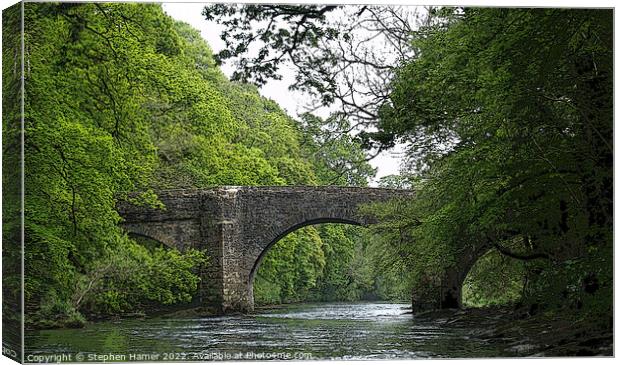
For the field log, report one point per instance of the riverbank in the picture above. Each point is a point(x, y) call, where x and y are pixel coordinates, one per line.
point(541, 335)
point(75, 319)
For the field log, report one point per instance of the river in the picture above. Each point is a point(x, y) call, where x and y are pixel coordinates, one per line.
point(302, 331)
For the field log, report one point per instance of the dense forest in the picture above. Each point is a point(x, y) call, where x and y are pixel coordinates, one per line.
point(122, 98)
point(507, 115)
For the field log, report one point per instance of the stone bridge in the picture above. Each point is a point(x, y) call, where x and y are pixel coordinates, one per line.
point(238, 225)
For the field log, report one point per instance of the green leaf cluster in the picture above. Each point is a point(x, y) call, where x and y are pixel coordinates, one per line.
point(135, 279)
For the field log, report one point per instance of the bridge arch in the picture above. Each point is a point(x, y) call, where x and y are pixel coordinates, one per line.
point(160, 233)
point(142, 238)
point(283, 234)
point(510, 266)
point(293, 229)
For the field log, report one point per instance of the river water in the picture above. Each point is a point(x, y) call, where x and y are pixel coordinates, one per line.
point(303, 331)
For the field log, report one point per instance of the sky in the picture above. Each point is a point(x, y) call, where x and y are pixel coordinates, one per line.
point(387, 163)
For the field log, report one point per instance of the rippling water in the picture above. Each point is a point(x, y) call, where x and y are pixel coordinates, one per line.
point(306, 331)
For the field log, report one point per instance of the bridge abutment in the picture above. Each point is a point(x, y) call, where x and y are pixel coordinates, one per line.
point(448, 292)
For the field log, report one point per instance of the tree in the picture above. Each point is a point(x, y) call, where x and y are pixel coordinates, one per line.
point(509, 117)
point(342, 55)
point(86, 140)
point(338, 158)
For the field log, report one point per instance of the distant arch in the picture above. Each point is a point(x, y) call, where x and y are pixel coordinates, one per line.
point(142, 238)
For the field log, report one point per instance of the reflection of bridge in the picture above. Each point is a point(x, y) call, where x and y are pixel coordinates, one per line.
point(238, 225)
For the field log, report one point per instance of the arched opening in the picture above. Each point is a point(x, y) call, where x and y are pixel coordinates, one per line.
point(295, 228)
point(291, 266)
point(494, 279)
point(319, 261)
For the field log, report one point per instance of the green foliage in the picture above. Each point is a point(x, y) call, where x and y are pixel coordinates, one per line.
point(132, 279)
point(338, 158)
point(11, 163)
point(416, 253)
point(337, 282)
point(293, 271)
point(508, 116)
point(56, 312)
point(86, 138)
point(338, 263)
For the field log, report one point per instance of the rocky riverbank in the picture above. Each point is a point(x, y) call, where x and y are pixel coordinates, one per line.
point(541, 335)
